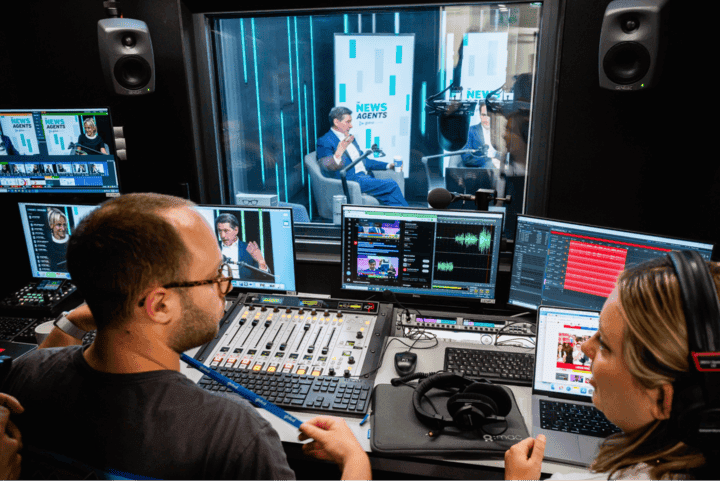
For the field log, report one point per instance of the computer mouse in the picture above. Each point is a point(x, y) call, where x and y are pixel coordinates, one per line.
point(405, 363)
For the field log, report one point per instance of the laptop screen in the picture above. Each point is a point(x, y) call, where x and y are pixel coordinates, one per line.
point(560, 366)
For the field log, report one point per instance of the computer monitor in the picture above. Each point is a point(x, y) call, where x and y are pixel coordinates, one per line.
point(420, 251)
point(47, 229)
point(258, 244)
point(565, 264)
point(57, 151)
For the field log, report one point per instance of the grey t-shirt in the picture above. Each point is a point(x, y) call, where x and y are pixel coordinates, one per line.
point(155, 424)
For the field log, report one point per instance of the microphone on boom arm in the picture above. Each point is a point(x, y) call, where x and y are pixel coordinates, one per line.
point(73, 145)
point(440, 198)
point(453, 114)
point(242, 264)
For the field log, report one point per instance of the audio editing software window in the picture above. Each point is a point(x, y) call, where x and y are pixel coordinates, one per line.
point(565, 264)
point(421, 252)
point(57, 151)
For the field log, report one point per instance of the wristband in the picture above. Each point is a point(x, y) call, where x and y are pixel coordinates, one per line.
point(67, 326)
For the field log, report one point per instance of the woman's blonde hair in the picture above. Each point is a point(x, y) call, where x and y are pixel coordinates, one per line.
point(655, 350)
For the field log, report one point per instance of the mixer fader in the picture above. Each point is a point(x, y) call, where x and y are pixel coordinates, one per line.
point(301, 353)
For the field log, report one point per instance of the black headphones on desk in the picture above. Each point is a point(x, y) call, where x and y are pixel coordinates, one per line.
point(473, 406)
point(695, 417)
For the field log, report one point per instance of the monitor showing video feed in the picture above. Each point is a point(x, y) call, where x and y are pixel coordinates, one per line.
point(57, 151)
point(421, 251)
point(565, 264)
point(47, 229)
point(257, 243)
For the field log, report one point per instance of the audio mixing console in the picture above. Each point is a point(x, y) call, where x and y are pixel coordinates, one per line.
point(287, 342)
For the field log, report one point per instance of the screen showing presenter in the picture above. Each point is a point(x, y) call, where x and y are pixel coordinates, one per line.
point(245, 258)
point(90, 142)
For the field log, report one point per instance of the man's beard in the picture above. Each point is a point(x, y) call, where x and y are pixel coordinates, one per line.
point(197, 327)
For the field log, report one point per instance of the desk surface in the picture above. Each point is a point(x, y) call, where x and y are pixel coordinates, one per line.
point(429, 360)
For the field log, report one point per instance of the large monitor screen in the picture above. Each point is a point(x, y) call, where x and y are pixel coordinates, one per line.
point(421, 251)
point(47, 229)
point(573, 265)
point(57, 151)
point(258, 244)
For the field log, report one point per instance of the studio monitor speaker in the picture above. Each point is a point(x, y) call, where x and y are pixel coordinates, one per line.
point(126, 55)
point(631, 42)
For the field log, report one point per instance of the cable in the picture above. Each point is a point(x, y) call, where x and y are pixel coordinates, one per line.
point(430, 337)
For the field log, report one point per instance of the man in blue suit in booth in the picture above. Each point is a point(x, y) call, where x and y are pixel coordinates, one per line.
point(240, 254)
point(478, 138)
point(338, 148)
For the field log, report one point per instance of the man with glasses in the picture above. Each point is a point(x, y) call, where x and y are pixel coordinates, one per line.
point(154, 281)
point(479, 139)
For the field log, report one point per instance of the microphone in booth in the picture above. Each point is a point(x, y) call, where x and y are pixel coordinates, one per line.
point(453, 114)
point(440, 198)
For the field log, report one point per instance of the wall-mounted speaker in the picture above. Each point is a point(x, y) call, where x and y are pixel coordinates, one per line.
point(126, 55)
point(631, 44)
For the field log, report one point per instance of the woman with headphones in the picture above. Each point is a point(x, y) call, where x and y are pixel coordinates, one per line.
point(650, 377)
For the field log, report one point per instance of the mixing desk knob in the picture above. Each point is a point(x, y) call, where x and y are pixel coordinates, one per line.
point(288, 310)
point(351, 360)
point(331, 372)
point(346, 373)
point(314, 312)
point(339, 314)
point(359, 335)
point(301, 311)
point(264, 308)
point(277, 309)
point(251, 308)
point(326, 313)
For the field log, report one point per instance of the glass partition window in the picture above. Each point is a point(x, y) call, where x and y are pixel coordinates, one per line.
point(429, 97)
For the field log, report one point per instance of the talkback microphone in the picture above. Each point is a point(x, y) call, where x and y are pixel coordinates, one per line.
point(440, 198)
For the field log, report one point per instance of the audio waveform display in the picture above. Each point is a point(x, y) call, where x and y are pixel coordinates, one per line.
point(445, 266)
point(483, 241)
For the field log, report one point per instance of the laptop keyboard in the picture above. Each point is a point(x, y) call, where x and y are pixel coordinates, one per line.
point(497, 366)
point(575, 418)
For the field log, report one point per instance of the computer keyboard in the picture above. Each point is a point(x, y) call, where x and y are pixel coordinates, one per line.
point(502, 367)
point(324, 394)
point(19, 329)
point(575, 418)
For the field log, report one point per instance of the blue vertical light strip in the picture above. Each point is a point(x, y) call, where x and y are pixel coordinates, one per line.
point(342, 92)
point(368, 138)
point(282, 138)
point(257, 99)
point(312, 67)
point(292, 88)
point(423, 96)
point(297, 66)
point(345, 24)
point(392, 85)
point(397, 23)
point(244, 56)
point(307, 126)
point(407, 103)
point(242, 215)
point(443, 45)
point(262, 234)
point(398, 54)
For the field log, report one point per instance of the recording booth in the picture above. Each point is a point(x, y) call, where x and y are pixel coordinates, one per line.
point(442, 334)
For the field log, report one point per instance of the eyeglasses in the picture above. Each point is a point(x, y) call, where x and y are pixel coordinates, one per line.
point(223, 280)
point(249, 201)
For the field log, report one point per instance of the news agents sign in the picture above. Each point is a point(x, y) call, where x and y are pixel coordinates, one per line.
point(21, 131)
point(60, 131)
point(374, 78)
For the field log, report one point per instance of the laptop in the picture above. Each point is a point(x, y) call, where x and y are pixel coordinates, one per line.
point(562, 407)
